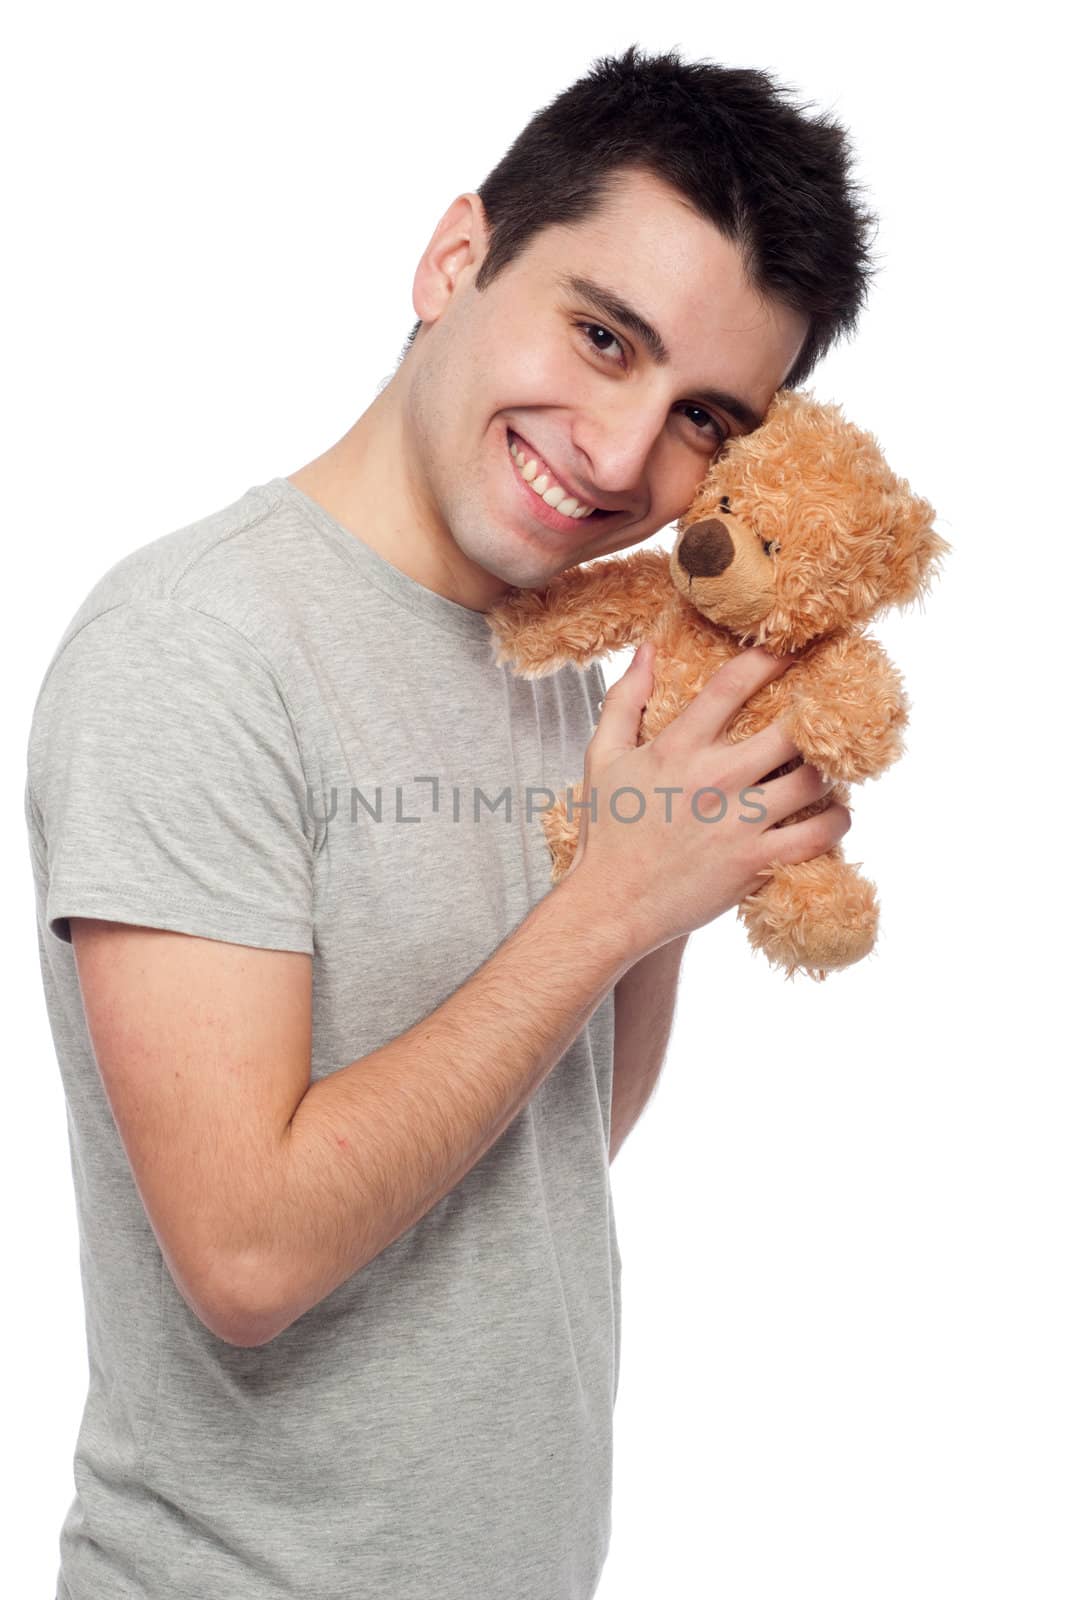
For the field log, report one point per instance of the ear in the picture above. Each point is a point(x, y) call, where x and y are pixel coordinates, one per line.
point(918, 549)
point(456, 249)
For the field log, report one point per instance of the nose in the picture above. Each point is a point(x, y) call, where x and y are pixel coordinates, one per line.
point(619, 444)
point(706, 549)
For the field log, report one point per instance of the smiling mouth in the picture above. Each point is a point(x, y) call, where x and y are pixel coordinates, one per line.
point(541, 481)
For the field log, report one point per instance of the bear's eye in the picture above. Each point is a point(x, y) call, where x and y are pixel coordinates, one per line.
point(724, 505)
point(770, 546)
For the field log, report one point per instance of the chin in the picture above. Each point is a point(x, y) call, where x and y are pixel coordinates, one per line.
point(511, 559)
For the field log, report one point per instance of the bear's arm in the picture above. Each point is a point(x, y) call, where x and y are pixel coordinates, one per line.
point(846, 708)
point(582, 613)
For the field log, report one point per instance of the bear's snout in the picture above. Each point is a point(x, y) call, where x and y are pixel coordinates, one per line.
point(706, 549)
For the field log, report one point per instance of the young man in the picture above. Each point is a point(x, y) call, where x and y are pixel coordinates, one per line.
point(345, 1074)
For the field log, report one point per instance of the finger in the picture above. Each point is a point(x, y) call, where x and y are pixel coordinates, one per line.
point(619, 721)
point(801, 841)
point(787, 794)
point(762, 752)
point(705, 717)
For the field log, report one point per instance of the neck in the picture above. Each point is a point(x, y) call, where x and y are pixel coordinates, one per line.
point(368, 483)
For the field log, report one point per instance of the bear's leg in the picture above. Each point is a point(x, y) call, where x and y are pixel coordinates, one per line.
point(813, 916)
point(562, 833)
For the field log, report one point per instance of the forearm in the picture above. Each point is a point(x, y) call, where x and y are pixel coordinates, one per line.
point(376, 1144)
point(644, 1000)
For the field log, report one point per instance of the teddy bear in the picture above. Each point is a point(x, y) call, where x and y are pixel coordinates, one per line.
point(798, 536)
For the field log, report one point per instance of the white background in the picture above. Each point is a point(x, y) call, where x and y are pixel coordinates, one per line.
point(840, 1218)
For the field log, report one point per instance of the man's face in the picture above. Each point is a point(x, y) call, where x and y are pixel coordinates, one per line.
point(536, 362)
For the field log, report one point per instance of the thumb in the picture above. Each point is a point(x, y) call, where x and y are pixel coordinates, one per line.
point(619, 723)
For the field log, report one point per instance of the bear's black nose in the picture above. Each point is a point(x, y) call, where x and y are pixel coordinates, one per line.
point(706, 549)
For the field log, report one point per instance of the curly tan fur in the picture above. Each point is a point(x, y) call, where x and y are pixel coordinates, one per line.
point(798, 536)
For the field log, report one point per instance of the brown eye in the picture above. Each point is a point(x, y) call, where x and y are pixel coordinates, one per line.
point(724, 505)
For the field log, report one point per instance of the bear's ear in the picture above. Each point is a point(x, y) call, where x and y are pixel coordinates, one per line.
point(918, 549)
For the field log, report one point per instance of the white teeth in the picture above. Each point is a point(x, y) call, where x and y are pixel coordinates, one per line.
point(551, 493)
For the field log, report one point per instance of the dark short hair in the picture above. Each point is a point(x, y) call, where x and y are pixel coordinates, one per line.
point(776, 183)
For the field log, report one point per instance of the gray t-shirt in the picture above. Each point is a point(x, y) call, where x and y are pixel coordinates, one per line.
point(440, 1426)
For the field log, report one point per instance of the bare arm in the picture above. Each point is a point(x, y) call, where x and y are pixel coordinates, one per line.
point(369, 1149)
point(265, 1191)
point(644, 1000)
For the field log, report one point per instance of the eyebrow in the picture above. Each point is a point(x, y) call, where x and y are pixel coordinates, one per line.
point(612, 306)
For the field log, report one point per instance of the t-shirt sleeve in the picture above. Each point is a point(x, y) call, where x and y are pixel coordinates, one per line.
point(170, 784)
